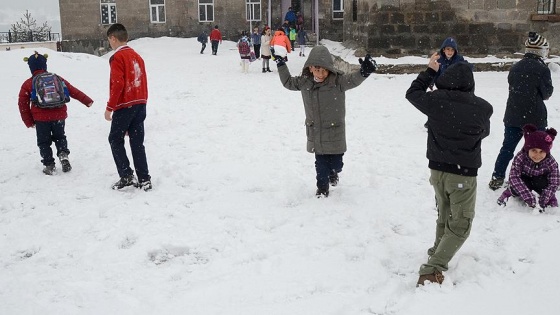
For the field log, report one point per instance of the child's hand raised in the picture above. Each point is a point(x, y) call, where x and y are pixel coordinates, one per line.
point(433, 64)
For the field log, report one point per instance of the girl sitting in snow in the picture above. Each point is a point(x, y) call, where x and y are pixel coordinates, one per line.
point(534, 169)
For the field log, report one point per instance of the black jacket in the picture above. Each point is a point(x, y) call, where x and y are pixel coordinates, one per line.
point(529, 84)
point(458, 120)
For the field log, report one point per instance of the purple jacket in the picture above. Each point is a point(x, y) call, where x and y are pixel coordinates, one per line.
point(523, 165)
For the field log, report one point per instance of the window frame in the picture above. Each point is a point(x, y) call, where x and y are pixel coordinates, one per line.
point(206, 4)
point(551, 7)
point(338, 14)
point(253, 3)
point(157, 19)
point(109, 4)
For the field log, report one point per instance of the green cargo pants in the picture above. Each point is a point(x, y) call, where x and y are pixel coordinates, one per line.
point(456, 198)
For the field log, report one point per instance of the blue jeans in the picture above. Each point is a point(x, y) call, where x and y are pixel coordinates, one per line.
point(47, 133)
point(512, 136)
point(129, 120)
point(325, 165)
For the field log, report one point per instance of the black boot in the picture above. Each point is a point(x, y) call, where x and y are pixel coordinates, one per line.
point(264, 70)
point(268, 70)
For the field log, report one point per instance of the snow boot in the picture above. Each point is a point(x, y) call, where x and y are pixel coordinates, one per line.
point(63, 157)
point(268, 70)
point(496, 183)
point(322, 192)
point(436, 277)
point(264, 70)
point(49, 169)
point(145, 185)
point(129, 180)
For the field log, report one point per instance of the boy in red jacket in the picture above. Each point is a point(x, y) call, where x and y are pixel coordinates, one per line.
point(215, 39)
point(126, 109)
point(48, 122)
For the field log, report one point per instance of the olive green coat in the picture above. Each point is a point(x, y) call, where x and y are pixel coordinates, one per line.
point(325, 108)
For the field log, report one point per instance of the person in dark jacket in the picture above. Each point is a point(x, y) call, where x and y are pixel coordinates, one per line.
point(530, 84)
point(256, 41)
point(323, 89)
point(49, 123)
point(203, 39)
point(458, 120)
point(449, 54)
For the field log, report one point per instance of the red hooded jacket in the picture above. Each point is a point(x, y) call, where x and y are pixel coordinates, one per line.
point(31, 113)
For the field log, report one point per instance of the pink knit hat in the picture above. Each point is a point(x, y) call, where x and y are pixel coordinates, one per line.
point(535, 138)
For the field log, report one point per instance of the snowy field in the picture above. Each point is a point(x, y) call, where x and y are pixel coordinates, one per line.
point(232, 225)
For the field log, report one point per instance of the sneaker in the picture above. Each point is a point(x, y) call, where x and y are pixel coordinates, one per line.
point(49, 169)
point(322, 192)
point(436, 277)
point(129, 180)
point(63, 157)
point(496, 183)
point(145, 185)
point(333, 178)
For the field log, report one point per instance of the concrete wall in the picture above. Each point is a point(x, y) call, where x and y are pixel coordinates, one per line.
point(13, 46)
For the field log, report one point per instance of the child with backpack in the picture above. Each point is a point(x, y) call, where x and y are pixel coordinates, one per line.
point(202, 39)
point(534, 169)
point(42, 105)
point(244, 48)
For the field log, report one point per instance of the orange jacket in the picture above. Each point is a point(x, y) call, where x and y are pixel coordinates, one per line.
point(281, 39)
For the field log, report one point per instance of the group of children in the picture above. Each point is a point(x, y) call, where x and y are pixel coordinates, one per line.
point(126, 109)
point(263, 45)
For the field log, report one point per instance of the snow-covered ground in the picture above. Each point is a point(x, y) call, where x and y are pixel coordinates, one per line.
point(232, 225)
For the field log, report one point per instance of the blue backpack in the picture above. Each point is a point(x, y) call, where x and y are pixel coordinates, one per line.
point(49, 91)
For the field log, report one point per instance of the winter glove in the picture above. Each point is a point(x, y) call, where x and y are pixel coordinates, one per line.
point(368, 66)
point(279, 60)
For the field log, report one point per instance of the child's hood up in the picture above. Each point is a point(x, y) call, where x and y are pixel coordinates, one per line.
point(321, 57)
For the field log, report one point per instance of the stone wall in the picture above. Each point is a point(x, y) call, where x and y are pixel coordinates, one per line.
point(418, 27)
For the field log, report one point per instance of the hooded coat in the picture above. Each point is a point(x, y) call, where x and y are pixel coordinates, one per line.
point(458, 120)
point(529, 85)
point(443, 61)
point(324, 103)
point(280, 43)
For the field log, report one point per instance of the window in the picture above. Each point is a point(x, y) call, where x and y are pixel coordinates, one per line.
point(253, 10)
point(338, 9)
point(545, 6)
point(108, 12)
point(157, 11)
point(205, 10)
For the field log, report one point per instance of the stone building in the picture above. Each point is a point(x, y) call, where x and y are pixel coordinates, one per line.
point(388, 27)
point(481, 27)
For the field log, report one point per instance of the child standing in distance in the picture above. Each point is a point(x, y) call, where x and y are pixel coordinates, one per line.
point(534, 169)
point(49, 123)
point(256, 41)
point(126, 109)
point(448, 55)
point(323, 89)
point(293, 36)
point(302, 40)
point(265, 49)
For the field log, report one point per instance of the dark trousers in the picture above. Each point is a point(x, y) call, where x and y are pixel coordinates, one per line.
point(203, 47)
point(47, 133)
point(257, 49)
point(129, 120)
point(215, 44)
point(536, 183)
point(325, 165)
point(512, 136)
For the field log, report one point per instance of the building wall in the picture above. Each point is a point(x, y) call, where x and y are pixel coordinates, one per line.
point(395, 27)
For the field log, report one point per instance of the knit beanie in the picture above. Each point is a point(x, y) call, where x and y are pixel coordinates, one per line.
point(37, 62)
point(536, 44)
point(535, 138)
